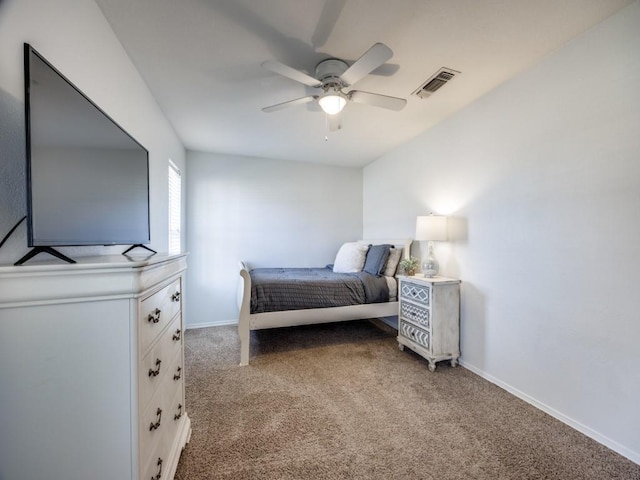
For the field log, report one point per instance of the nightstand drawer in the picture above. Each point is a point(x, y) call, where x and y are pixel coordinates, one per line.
point(415, 292)
point(415, 313)
point(415, 334)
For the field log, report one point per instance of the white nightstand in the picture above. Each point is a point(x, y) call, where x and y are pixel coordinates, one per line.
point(429, 318)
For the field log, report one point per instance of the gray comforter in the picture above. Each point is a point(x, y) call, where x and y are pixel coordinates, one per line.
point(278, 289)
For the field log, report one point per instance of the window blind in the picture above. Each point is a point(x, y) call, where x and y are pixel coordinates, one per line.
point(175, 197)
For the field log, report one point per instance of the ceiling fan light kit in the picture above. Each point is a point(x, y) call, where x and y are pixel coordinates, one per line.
point(332, 76)
point(332, 102)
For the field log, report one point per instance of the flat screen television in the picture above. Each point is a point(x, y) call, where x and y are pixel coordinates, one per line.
point(87, 178)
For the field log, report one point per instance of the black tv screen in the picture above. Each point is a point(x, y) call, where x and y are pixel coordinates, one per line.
point(87, 178)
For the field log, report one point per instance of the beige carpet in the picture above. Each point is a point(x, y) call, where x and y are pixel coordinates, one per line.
point(341, 401)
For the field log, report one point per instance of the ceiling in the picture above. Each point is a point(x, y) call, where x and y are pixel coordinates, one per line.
point(202, 61)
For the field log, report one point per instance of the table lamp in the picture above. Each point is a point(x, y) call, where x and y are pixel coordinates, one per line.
point(432, 228)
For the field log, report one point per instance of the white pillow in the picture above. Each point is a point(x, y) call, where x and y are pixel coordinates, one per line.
point(350, 258)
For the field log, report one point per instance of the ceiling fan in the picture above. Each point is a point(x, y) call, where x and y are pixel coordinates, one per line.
point(333, 76)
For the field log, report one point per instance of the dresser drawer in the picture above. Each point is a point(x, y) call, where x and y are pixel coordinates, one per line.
point(157, 461)
point(155, 466)
point(176, 414)
point(415, 334)
point(158, 420)
point(170, 383)
point(415, 292)
point(416, 314)
point(158, 363)
point(156, 311)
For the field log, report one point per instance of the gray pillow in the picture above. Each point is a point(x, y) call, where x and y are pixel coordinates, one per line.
point(376, 259)
point(392, 262)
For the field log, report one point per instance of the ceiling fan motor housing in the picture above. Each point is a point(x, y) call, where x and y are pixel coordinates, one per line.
point(328, 72)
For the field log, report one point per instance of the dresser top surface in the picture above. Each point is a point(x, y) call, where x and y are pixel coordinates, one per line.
point(105, 277)
point(51, 264)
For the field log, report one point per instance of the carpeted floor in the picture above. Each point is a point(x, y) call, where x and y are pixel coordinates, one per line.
point(341, 401)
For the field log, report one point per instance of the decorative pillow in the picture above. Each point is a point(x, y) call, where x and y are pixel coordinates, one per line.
point(376, 259)
point(392, 262)
point(350, 258)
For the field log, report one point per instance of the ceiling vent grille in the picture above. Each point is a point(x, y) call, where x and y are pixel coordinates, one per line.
point(437, 81)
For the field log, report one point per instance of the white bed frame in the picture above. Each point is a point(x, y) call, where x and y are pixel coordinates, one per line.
point(256, 321)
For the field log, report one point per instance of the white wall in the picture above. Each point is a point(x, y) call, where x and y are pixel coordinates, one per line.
point(268, 213)
point(542, 180)
point(76, 38)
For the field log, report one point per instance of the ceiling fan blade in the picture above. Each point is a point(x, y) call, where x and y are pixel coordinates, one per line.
point(334, 123)
point(290, 103)
point(328, 18)
point(372, 59)
point(292, 73)
point(377, 100)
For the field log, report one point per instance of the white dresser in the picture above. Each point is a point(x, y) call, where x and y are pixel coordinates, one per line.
point(429, 318)
point(91, 369)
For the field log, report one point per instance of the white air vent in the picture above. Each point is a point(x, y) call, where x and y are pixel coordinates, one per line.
point(439, 79)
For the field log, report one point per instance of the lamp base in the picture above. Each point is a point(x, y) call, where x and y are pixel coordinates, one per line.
point(430, 265)
point(430, 268)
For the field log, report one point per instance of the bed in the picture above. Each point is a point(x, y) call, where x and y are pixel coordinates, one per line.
point(289, 311)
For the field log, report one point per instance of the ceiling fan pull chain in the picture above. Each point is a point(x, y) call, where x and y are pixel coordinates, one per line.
point(326, 127)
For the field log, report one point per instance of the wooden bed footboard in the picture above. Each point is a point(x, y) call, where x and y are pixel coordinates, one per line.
point(244, 305)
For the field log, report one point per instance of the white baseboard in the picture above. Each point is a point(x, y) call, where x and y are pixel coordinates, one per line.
point(223, 323)
point(598, 437)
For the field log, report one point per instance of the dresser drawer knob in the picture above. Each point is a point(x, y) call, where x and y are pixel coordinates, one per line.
point(175, 297)
point(155, 316)
point(159, 474)
point(178, 374)
point(176, 336)
point(179, 414)
point(156, 372)
point(155, 426)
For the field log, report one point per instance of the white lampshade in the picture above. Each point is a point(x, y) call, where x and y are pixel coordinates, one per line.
point(332, 102)
point(431, 227)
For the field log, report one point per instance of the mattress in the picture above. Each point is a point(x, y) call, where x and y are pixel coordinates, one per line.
point(281, 289)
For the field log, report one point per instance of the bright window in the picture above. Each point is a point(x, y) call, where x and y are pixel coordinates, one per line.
point(175, 197)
